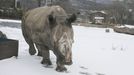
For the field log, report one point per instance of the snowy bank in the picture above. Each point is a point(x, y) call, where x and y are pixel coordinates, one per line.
point(127, 29)
point(10, 20)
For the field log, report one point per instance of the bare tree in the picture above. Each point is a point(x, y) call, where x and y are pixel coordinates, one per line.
point(7, 3)
point(118, 12)
point(66, 4)
point(39, 3)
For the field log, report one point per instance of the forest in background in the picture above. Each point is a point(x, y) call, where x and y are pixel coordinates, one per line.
point(121, 10)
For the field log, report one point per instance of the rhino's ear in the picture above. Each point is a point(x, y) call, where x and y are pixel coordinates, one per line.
point(51, 19)
point(72, 18)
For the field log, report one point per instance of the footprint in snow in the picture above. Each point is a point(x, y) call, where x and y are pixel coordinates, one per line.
point(67, 71)
point(82, 67)
point(99, 74)
point(84, 73)
point(48, 66)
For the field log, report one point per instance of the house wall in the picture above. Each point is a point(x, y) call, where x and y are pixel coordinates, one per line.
point(97, 14)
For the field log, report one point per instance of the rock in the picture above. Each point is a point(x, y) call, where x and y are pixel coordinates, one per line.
point(2, 35)
point(107, 30)
point(8, 48)
point(125, 30)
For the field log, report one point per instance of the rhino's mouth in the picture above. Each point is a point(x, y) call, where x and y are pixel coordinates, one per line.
point(68, 57)
point(65, 51)
point(69, 63)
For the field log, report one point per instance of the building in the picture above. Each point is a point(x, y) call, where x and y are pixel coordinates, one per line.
point(98, 17)
point(98, 20)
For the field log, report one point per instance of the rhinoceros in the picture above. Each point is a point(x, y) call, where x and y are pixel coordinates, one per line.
point(49, 28)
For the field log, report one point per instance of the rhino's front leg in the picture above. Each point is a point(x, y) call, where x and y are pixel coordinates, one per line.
point(44, 52)
point(46, 57)
point(60, 65)
point(60, 61)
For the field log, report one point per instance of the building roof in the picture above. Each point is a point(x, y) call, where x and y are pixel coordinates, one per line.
point(100, 18)
point(95, 11)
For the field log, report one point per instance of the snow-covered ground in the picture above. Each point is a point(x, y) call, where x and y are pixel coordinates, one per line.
point(10, 20)
point(10, 23)
point(128, 26)
point(95, 52)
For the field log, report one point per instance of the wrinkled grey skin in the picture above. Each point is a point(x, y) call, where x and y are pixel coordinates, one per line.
point(49, 28)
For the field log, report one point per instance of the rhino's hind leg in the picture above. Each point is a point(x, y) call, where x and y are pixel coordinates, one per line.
point(44, 52)
point(32, 50)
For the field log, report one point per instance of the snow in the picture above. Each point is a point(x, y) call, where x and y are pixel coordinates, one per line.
point(8, 20)
point(99, 18)
point(128, 26)
point(95, 52)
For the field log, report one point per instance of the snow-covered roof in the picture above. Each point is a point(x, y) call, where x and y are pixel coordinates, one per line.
point(95, 11)
point(98, 17)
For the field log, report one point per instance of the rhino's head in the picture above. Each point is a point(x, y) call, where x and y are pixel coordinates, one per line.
point(65, 47)
point(63, 33)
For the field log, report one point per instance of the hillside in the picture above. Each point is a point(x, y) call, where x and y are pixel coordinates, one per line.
point(80, 5)
point(86, 4)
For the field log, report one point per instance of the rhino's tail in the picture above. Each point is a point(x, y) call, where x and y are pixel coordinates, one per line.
point(23, 27)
